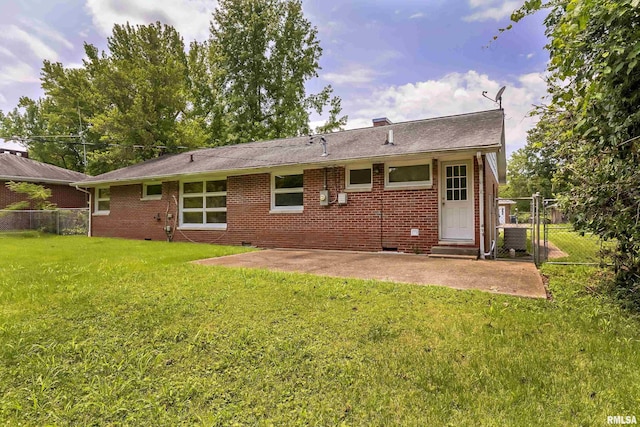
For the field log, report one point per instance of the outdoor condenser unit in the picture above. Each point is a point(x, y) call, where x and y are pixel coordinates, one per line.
point(515, 238)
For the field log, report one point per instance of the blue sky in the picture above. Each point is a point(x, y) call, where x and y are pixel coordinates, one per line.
point(404, 59)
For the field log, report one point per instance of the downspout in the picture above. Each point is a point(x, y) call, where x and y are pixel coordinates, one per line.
point(89, 193)
point(481, 202)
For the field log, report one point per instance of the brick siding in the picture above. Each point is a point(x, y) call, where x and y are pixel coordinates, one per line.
point(64, 196)
point(370, 221)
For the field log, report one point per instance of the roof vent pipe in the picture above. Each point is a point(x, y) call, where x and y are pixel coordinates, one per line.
point(389, 140)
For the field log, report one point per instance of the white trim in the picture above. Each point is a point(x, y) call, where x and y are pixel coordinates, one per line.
point(154, 196)
point(98, 199)
point(409, 185)
point(274, 191)
point(470, 190)
point(203, 210)
point(203, 227)
point(357, 187)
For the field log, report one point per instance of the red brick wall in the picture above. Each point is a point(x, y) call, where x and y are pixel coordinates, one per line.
point(64, 196)
point(369, 221)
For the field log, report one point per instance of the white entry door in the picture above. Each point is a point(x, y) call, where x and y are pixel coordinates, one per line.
point(456, 197)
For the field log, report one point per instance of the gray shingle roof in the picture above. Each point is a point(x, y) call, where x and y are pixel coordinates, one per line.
point(481, 130)
point(18, 168)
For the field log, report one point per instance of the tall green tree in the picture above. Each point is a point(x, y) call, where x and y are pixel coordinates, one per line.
point(594, 80)
point(266, 50)
point(141, 83)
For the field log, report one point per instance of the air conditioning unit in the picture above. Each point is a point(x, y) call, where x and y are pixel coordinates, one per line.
point(515, 238)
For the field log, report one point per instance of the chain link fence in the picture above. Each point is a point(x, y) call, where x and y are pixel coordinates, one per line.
point(57, 221)
point(564, 245)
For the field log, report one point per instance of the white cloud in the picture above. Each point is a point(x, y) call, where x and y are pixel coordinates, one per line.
point(530, 55)
point(417, 15)
point(454, 93)
point(7, 53)
point(491, 10)
point(17, 72)
point(45, 32)
point(352, 76)
point(190, 17)
point(13, 33)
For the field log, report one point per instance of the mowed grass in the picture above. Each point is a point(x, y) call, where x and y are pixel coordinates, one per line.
point(579, 248)
point(114, 332)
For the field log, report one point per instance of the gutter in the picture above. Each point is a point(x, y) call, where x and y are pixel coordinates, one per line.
point(481, 202)
point(90, 215)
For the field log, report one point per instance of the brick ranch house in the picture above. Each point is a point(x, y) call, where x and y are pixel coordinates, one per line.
point(15, 166)
point(416, 186)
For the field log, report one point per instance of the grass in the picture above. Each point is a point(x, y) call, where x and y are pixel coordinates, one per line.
point(99, 331)
point(579, 248)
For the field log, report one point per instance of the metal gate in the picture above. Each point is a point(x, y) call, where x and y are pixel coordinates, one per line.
point(519, 234)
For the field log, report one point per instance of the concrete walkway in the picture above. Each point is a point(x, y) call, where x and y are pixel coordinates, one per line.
point(511, 278)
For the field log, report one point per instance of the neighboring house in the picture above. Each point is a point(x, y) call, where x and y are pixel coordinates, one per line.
point(409, 187)
point(17, 167)
point(504, 211)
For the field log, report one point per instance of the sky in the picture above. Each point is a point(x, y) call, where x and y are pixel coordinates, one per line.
point(402, 59)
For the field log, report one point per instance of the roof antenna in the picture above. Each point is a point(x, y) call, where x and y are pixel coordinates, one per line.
point(498, 98)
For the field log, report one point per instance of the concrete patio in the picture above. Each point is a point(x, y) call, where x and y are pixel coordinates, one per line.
point(503, 277)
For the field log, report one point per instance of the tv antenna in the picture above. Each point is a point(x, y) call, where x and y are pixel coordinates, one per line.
point(498, 98)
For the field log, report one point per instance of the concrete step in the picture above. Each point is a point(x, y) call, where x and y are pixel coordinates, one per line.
point(454, 250)
point(469, 257)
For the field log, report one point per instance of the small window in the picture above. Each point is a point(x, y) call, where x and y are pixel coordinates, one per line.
point(358, 178)
point(204, 204)
point(152, 191)
point(402, 175)
point(103, 200)
point(287, 192)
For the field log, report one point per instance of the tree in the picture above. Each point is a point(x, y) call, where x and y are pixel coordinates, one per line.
point(141, 86)
point(595, 93)
point(265, 51)
point(37, 196)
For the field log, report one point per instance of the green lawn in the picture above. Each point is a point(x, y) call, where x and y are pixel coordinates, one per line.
point(99, 331)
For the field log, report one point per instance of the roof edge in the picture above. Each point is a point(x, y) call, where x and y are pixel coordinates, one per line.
point(29, 179)
point(328, 162)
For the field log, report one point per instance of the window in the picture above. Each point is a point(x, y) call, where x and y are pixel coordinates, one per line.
point(358, 178)
point(408, 174)
point(152, 191)
point(204, 204)
point(287, 193)
point(103, 200)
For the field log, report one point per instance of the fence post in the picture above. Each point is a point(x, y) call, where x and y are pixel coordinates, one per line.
point(58, 222)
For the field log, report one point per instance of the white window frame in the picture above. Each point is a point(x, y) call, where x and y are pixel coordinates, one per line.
point(274, 191)
point(96, 210)
point(145, 196)
point(409, 185)
point(357, 187)
point(203, 209)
